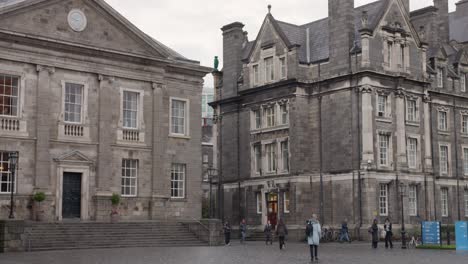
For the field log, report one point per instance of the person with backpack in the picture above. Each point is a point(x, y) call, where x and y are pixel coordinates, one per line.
point(281, 232)
point(268, 233)
point(227, 233)
point(313, 233)
point(344, 236)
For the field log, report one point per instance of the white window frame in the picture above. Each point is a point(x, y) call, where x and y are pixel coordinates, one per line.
point(84, 101)
point(283, 67)
point(286, 202)
point(137, 117)
point(19, 97)
point(464, 124)
point(383, 199)
point(442, 124)
point(445, 169)
point(440, 78)
point(412, 112)
point(271, 157)
point(284, 114)
point(186, 132)
point(140, 113)
point(181, 180)
point(81, 102)
point(413, 200)
point(256, 120)
point(5, 162)
point(133, 185)
point(257, 161)
point(386, 105)
point(384, 162)
point(269, 69)
point(444, 202)
point(465, 159)
point(283, 163)
point(412, 152)
point(270, 115)
point(259, 200)
point(463, 82)
point(255, 74)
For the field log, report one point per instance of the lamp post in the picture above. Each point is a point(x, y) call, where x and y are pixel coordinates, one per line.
point(211, 174)
point(402, 190)
point(13, 160)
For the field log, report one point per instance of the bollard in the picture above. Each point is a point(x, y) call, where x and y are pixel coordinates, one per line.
point(448, 235)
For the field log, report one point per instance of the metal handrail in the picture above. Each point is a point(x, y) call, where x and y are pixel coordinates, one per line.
point(198, 221)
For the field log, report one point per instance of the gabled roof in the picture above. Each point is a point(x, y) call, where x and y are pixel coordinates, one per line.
point(7, 6)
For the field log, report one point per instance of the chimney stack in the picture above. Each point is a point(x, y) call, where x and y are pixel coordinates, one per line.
point(233, 40)
point(341, 34)
point(442, 20)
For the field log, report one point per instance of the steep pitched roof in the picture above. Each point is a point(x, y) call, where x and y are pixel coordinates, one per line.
point(7, 6)
point(458, 27)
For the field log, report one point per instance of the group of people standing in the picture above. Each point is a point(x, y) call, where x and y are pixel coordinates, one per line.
point(374, 231)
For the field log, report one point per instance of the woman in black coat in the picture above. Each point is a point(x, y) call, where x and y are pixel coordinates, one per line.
point(374, 230)
point(388, 233)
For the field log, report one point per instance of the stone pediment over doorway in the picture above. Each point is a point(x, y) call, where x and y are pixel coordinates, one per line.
point(73, 157)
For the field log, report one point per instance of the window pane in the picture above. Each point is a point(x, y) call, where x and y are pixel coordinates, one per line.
point(9, 87)
point(130, 109)
point(178, 180)
point(6, 176)
point(129, 177)
point(73, 102)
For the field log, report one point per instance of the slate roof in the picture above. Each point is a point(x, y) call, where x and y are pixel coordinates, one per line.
point(4, 3)
point(319, 33)
point(458, 27)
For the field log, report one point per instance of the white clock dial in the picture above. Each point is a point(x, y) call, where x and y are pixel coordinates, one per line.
point(77, 20)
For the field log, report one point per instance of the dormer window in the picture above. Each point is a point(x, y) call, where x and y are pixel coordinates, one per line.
point(283, 68)
point(256, 75)
point(269, 70)
point(389, 54)
point(463, 82)
point(440, 75)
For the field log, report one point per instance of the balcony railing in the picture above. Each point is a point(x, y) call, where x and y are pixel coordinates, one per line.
point(131, 135)
point(73, 130)
point(9, 124)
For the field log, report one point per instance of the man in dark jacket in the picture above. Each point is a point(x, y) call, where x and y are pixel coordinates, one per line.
point(268, 233)
point(243, 231)
point(227, 233)
point(281, 232)
point(388, 233)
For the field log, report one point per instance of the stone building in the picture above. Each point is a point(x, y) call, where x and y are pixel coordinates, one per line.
point(94, 106)
point(331, 117)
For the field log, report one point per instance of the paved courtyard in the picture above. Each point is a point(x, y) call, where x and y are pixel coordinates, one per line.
point(253, 252)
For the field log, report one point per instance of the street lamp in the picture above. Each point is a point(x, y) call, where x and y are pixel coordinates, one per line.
point(13, 161)
point(402, 190)
point(212, 173)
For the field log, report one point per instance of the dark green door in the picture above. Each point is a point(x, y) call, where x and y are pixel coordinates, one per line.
point(71, 204)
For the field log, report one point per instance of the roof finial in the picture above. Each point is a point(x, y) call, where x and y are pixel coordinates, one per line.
point(269, 9)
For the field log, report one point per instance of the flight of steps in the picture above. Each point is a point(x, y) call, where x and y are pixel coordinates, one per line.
point(258, 235)
point(79, 235)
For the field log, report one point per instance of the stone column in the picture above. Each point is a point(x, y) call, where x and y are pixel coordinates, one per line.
point(104, 164)
point(43, 126)
point(367, 126)
point(400, 128)
point(427, 134)
point(160, 184)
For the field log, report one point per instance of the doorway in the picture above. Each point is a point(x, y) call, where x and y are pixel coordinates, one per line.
point(71, 195)
point(272, 208)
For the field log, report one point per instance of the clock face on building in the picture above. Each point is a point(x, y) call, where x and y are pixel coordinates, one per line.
point(77, 20)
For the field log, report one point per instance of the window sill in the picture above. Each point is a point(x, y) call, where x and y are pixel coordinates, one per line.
point(443, 132)
point(178, 200)
point(464, 135)
point(383, 119)
point(129, 196)
point(270, 129)
point(179, 136)
point(412, 123)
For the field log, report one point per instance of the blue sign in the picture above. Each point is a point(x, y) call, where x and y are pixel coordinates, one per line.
point(430, 233)
point(461, 235)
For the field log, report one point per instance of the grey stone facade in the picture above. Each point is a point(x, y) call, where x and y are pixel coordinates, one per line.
point(48, 44)
point(363, 102)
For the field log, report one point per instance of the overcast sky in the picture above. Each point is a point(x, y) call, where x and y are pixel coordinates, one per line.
point(192, 27)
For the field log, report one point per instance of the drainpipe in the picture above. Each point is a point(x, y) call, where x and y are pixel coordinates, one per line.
point(456, 158)
point(432, 147)
point(322, 218)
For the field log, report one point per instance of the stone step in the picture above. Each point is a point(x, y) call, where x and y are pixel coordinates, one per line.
point(197, 244)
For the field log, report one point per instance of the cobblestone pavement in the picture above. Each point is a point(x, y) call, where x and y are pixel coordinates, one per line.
point(253, 252)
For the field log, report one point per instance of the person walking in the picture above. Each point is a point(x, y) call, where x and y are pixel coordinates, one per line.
point(268, 233)
point(388, 233)
point(344, 236)
point(313, 233)
point(243, 230)
point(374, 230)
point(281, 232)
point(227, 233)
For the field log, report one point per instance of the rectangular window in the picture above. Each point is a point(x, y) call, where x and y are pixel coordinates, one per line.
point(465, 124)
point(440, 76)
point(270, 115)
point(444, 201)
point(9, 95)
point(402, 56)
point(412, 152)
point(6, 177)
point(129, 177)
point(285, 155)
point(178, 180)
point(286, 202)
point(283, 67)
point(466, 203)
point(256, 75)
point(178, 117)
point(383, 200)
point(130, 109)
point(270, 150)
point(258, 119)
point(382, 105)
point(384, 143)
point(73, 102)
point(443, 121)
point(465, 161)
point(463, 82)
point(258, 158)
point(443, 160)
point(389, 54)
point(284, 114)
point(269, 70)
point(259, 203)
point(411, 110)
point(413, 200)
